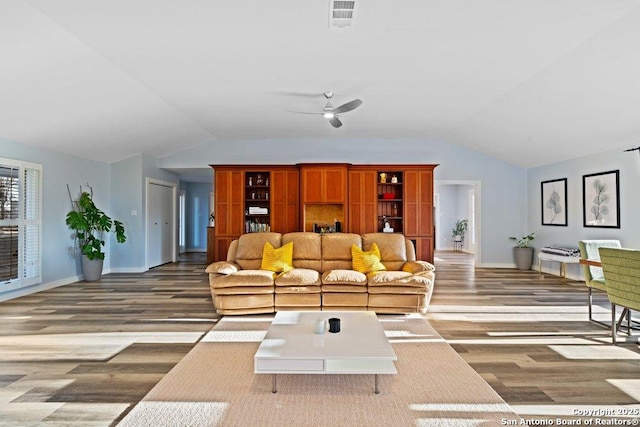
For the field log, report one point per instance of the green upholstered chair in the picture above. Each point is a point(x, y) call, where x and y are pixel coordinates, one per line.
point(622, 274)
point(593, 276)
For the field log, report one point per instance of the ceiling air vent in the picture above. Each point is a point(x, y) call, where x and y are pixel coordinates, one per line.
point(341, 13)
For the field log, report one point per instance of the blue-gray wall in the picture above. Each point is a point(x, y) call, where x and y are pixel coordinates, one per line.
point(629, 232)
point(60, 265)
point(510, 195)
point(503, 208)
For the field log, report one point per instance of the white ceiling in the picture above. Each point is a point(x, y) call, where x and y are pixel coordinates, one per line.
point(530, 82)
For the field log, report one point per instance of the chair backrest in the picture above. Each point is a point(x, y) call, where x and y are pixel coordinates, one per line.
point(622, 276)
point(589, 250)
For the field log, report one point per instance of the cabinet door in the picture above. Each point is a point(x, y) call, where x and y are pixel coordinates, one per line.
point(418, 204)
point(424, 248)
point(222, 247)
point(335, 185)
point(362, 202)
point(324, 184)
point(284, 200)
point(229, 213)
point(312, 185)
point(425, 203)
point(411, 201)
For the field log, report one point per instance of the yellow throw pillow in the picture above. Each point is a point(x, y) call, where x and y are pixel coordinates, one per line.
point(277, 260)
point(366, 262)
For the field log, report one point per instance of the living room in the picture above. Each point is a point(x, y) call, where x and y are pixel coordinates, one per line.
point(502, 95)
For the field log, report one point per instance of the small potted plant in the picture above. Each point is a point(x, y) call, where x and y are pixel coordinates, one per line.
point(89, 224)
point(459, 230)
point(522, 252)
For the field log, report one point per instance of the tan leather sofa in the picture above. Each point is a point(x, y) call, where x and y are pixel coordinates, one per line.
point(322, 277)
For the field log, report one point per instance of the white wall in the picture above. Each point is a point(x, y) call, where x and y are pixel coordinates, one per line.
point(628, 163)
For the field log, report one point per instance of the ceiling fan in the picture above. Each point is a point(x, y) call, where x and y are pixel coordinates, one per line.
point(331, 113)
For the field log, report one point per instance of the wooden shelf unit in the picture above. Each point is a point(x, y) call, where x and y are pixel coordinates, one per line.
point(303, 194)
point(257, 195)
point(390, 200)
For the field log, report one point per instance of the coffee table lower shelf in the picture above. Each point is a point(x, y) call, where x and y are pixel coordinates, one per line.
point(321, 366)
point(291, 347)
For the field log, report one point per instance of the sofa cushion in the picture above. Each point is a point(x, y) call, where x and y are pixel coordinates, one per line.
point(243, 290)
point(345, 288)
point(307, 249)
point(336, 250)
point(244, 278)
point(298, 277)
point(366, 261)
point(342, 299)
point(277, 260)
point(234, 302)
point(344, 277)
point(249, 250)
point(400, 279)
point(386, 303)
point(298, 289)
point(393, 248)
point(298, 300)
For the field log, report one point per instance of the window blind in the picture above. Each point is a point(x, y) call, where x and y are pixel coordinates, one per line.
point(20, 224)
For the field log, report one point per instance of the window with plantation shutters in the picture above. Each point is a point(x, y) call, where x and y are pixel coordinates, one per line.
point(20, 224)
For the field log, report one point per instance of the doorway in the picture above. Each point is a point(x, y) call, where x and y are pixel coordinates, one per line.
point(456, 200)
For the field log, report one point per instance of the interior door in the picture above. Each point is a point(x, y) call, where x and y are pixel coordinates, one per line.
point(160, 218)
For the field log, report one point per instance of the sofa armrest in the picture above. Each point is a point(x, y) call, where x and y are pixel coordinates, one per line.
point(223, 267)
point(415, 267)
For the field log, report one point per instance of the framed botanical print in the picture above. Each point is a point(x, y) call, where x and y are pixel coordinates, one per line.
point(554, 202)
point(601, 199)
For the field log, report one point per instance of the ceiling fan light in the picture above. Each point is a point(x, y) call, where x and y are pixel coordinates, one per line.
point(328, 115)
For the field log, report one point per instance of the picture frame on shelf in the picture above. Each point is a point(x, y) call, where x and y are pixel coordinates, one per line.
point(601, 199)
point(554, 202)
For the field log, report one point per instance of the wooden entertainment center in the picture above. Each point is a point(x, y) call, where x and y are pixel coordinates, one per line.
point(324, 197)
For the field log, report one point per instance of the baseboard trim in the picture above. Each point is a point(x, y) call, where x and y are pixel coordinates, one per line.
point(17, 293)
point(126, 270)
point(496, 265)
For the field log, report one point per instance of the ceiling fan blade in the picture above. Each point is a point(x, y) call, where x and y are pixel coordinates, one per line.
point(335, 122)
point(301, 112)
point(347, 107)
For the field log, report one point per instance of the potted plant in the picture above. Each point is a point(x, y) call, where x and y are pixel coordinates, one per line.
point(89, 224)
point(459, 230)
point(522, 252)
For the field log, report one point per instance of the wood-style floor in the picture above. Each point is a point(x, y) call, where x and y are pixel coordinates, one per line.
point(86, 353)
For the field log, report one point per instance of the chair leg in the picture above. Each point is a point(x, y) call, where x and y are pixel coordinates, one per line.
point(628, 321)
point(590, 302)
point(614, 324)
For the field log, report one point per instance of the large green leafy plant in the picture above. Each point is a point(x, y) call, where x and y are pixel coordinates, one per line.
point(90, 224)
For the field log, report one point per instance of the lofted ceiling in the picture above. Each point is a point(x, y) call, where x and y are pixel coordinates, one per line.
point(527, 81)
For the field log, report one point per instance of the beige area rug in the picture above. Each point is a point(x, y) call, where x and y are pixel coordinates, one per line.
point(214, 385)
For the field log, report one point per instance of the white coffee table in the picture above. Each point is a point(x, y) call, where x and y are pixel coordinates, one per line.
point(291, 347)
